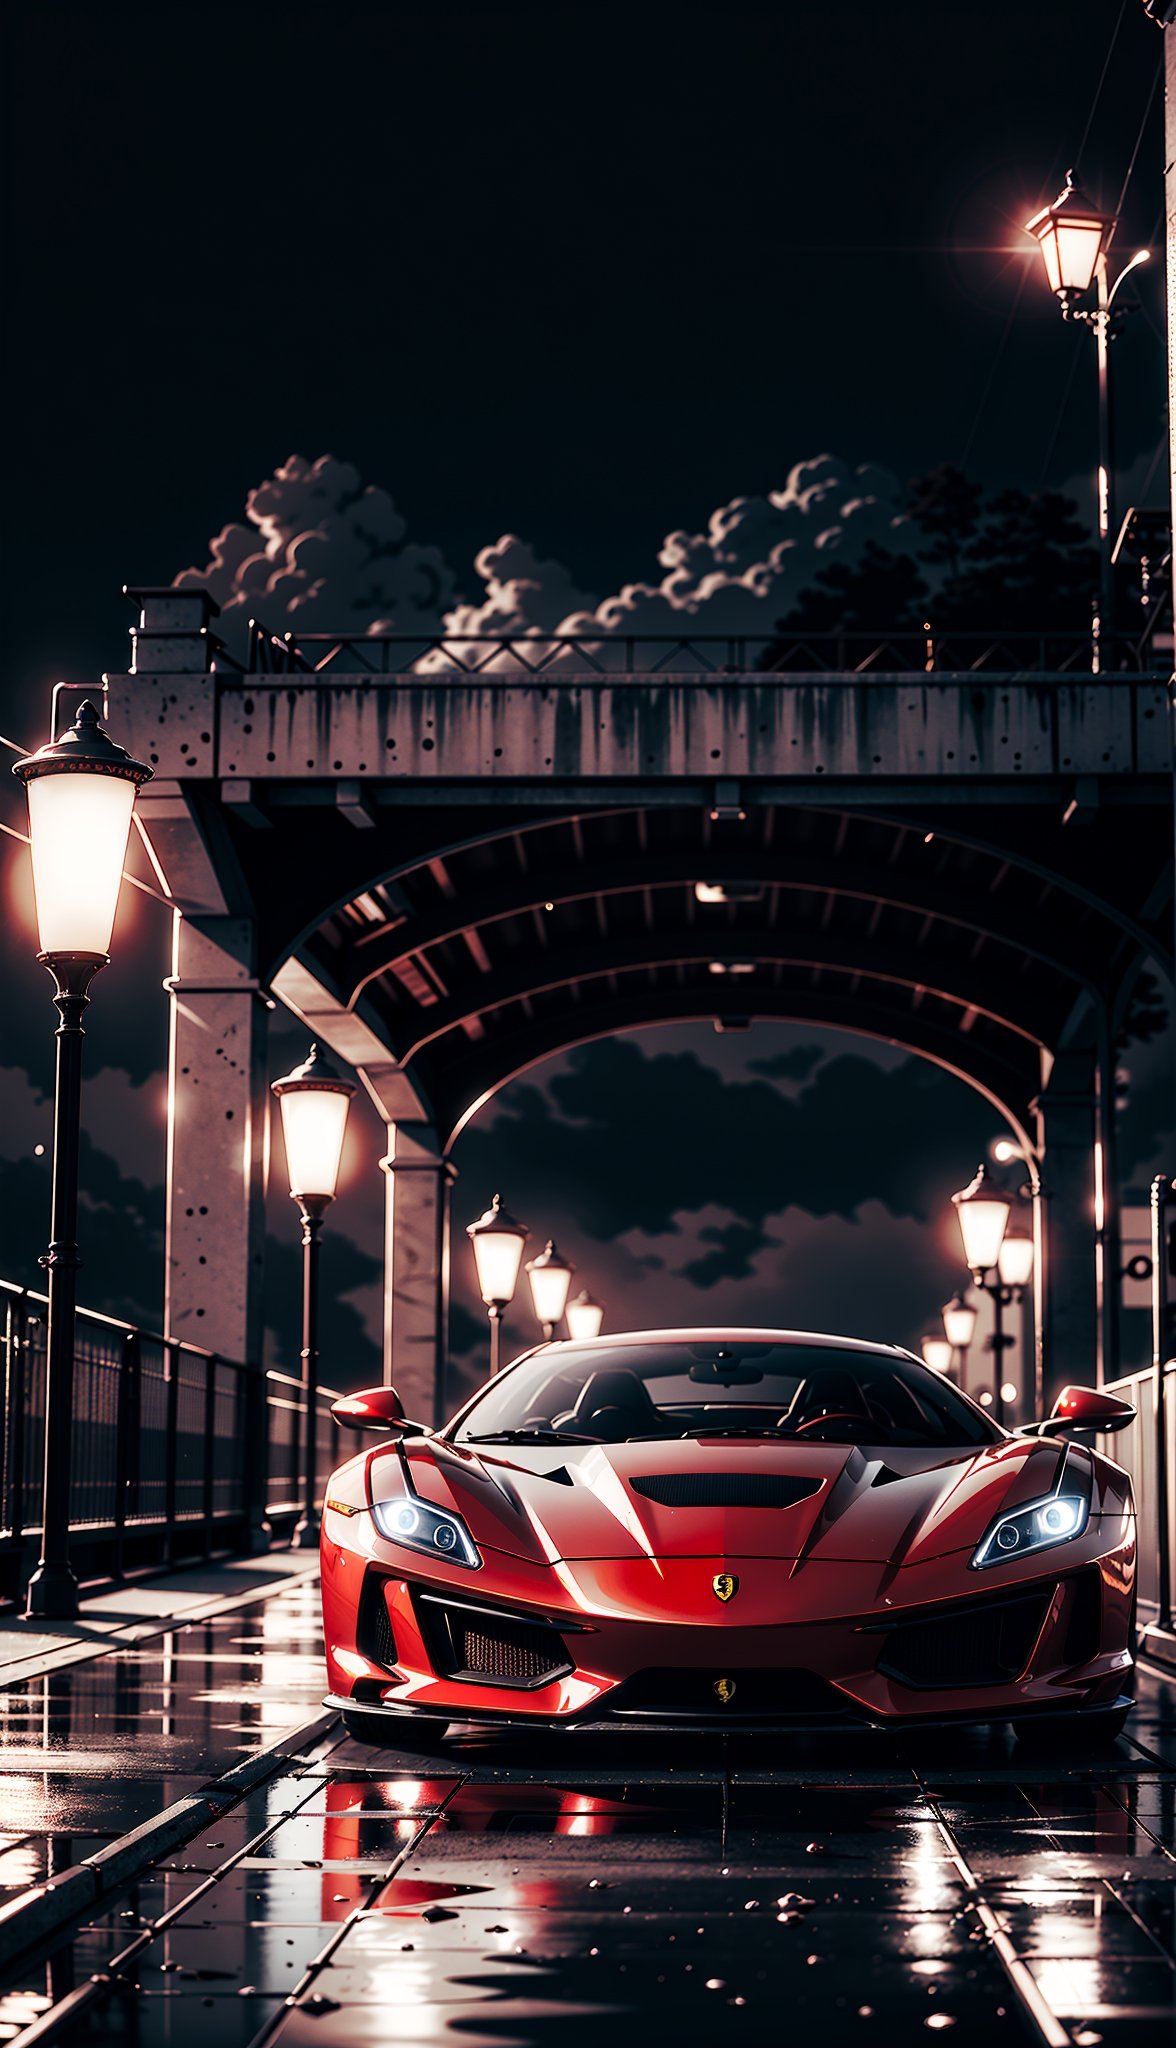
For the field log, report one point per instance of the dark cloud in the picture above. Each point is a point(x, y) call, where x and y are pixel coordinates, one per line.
point(735, 1248)
point(318, 550)
point(795, 1065)
point(636, 1139)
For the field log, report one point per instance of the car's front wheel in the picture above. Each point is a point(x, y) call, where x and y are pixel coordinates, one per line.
point(1072, 1731)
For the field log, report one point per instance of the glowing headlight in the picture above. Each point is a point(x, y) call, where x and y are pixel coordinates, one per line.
point(420, 1526)
point(1057, 1519)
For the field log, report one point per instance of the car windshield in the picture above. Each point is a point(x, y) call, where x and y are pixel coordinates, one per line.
point(813, 1393)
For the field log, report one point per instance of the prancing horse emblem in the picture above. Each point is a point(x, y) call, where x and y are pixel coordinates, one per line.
point(725, 1687)
point(724, 1586)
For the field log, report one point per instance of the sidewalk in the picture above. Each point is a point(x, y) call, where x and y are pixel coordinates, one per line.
point(139, 1609)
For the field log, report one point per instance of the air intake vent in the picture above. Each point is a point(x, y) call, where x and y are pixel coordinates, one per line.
point(373, 1632)
point(724, 1489)
point(979, 1643)
point(484, 1647)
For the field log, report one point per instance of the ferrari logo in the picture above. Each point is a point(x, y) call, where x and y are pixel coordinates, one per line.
point(724, 1586)
point(725, 1687)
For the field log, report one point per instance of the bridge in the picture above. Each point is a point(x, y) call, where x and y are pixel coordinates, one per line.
point(450, 860)
point(453, 858)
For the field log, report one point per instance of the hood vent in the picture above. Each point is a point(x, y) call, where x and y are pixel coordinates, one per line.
point(724, 1489)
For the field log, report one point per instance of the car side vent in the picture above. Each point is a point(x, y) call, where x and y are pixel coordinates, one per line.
point(373, 1629)
point(884, 1476)
point(724, 1489)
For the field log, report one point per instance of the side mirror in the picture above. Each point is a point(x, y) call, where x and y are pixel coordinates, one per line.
point(1080, 1408)
point(375, 1408)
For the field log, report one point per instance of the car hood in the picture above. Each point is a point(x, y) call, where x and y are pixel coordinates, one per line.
point(722, 1498)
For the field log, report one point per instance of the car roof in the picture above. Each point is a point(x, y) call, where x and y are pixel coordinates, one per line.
point(724, 1335)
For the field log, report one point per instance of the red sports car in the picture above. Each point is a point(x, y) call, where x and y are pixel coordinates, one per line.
point(744, 1528)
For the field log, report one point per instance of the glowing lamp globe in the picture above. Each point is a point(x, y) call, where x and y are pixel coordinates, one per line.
point(585, 1317)
point(550, 1276)
point(1071, 235)
point(1014, 1261)
point(314, 1100)
point(80, 792)
point(959, 1322)
point(498, 1242)
point(937, 1354)
point(983, 1211)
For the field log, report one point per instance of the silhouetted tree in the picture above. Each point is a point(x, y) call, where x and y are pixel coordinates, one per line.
point(1016, 562)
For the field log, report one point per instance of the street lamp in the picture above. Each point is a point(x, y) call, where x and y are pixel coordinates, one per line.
point(498, 1242)
point(80, 792)
point(314, 1101)
point(959, 1325)
point(1001, 1263)
point(550, 1276)
point(585, 1317)
point(937, 1353)
point(1075, 238)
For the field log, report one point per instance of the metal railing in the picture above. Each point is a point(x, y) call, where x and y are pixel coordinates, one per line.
point(924, 652)
point(1137, 1447)
point(176, 1452)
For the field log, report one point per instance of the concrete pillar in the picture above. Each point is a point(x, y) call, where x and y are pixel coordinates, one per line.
point(416, 1268)
point(1068, 1306)
point(218, 1126)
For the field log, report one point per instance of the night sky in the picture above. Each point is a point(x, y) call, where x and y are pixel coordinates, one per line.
point(582, 276)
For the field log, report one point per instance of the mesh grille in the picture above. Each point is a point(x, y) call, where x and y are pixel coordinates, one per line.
point(984, 1644)
point(475, 1643)
point(520, 1654)
point(724, 1489)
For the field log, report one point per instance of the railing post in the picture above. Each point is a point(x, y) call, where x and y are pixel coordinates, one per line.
point(1162, 1189)
point(258, 1533)
point(170, 1450)
point(207, 1488)
point(126, 1438)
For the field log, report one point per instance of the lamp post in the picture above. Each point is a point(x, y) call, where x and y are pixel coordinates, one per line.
point(959, 1328)
point(1075, 238)
point(1001, 1262)
point(550, 1276)
point(80, 792)
point(983, 1212)
point(498, 1242)
point(314, 1101)
point(585, 1317)
point(937, 1353)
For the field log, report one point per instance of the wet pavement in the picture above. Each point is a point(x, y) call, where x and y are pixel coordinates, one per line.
point(862, 1889)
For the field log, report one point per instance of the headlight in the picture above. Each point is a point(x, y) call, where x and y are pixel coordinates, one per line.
point(419, 1526)
point(1057, 1519)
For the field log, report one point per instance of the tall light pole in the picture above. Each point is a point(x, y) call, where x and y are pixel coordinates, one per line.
point(550, 1276)
point(1001, 1261)
point(959, 1328)
point(1075, 238)
point(314, 1101)
point(585, 1317)
point(983, 1212)
point(498, 1243)
point(80, 792)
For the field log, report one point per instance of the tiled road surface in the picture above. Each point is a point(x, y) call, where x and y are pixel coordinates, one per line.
point(606, 1890)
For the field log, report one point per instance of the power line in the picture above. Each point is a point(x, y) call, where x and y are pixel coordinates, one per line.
point(1102, 79)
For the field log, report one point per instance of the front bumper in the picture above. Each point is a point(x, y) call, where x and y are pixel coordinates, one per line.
point(1063, 1647)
